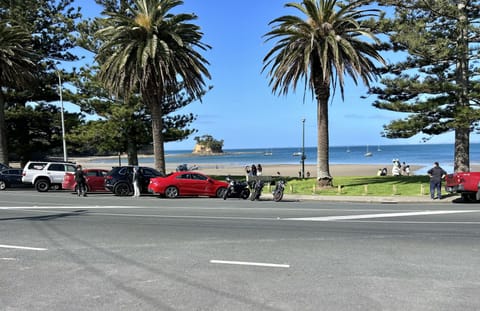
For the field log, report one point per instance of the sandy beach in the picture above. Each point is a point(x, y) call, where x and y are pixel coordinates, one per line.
point(290, 170)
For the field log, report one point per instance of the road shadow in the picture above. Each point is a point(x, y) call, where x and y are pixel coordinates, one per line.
point(48, 217)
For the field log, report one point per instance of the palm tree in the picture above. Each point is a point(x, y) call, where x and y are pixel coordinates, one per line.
point(148, 50)
point(320, 49)
point(17, 69)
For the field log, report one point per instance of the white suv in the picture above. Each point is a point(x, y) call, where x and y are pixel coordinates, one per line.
point(46, 175)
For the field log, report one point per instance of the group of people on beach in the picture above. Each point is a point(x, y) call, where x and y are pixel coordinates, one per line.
point(254, 170)
point(436, 173)
point(397, 169)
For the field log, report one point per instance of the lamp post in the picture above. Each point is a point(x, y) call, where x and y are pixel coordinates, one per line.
point(62, 117)
point(302, 161)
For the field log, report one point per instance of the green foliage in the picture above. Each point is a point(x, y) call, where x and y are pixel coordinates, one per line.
point(319, 47)
point(148, 50)
point(436, 82)
point(50, 26)
point(37, 131)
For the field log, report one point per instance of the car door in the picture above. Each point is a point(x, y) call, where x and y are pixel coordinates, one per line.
point(13, 176)
point(147, 173)
point(95, 179)
point(185, 184)
point(56, 172)
point(200, 184)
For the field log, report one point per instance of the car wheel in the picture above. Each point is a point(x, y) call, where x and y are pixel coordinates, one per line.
point(468, 198)
point(221, 192)
point(3, 185)
point(171, 192)
point(42, 185)
point(122, 189)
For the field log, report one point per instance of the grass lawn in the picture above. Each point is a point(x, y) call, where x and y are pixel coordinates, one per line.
point(358, 185)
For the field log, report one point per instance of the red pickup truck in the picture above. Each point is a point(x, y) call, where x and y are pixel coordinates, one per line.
point(465, 183)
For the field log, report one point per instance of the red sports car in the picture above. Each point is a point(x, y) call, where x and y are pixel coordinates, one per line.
point(187, 184)
point(94, 176)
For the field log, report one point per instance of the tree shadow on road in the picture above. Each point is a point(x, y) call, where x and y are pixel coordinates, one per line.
point(47, 217)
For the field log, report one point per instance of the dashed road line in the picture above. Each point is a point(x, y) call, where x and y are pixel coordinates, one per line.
point(23, 247)
point(381, 215)
point(246, 263)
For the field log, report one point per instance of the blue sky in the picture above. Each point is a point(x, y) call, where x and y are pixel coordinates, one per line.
point(241, 108)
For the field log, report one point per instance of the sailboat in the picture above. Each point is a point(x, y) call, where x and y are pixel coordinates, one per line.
point(378, 148)
point(368, 153)
point(348, 149)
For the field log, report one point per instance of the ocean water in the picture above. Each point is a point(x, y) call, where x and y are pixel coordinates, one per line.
point(416, 154)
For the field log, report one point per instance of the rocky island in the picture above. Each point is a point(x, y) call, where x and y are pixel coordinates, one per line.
point(207, 145)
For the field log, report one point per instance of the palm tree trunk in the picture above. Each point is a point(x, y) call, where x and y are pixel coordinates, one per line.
point(158, 140)
point(323, 168)
point(3, 132)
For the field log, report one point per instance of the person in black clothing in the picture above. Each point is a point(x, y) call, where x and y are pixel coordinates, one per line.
point(436, 174)
point(81, 181)
point(254, 170)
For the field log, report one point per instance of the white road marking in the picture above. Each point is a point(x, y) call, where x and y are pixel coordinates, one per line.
point(23, 247)
point(383, 215)
point(246, 263)
point(67, 207)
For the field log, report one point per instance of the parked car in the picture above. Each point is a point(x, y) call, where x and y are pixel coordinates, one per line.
point(119, 179)
point(187, 184)
point(95, 178)
point(3, 167)
point(11, 177)
point(467, 184)
point(46, 175)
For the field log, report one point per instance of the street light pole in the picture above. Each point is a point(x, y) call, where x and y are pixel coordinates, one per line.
point(62, 117)
point(303, 149)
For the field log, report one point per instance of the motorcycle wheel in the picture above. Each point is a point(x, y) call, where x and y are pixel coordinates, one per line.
point(253, 196)
point(245, 194)
point(226, 194)
point(277, 196)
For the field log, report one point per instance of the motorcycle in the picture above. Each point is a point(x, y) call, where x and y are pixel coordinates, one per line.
point(236, 189)
point(279, 189)
point(257, 190)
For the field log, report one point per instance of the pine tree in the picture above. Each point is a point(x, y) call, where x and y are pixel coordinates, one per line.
point(437, 81)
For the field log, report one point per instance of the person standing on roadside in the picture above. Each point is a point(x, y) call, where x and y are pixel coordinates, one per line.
point(81, 181)
point(136, 180)
point(436, 174)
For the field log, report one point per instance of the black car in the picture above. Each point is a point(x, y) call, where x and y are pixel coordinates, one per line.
point(11, 177)
point(3, 167)
point(119, 179)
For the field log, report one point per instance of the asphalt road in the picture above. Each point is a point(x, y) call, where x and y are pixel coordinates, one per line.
point(62, 252)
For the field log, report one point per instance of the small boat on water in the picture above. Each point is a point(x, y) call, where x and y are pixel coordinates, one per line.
point(268, 153)
point(368, 153)
point(297, 154)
